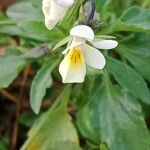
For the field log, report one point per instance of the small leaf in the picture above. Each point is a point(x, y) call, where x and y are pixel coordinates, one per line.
point(129, 79)
point(54, 128)
point(41, 82)
point(9, 69)
point(61, 43)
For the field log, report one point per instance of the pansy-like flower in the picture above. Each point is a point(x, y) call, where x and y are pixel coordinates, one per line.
point(54, 11)
point(80, 53)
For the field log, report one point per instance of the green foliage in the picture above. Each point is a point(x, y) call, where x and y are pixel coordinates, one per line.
point(32, 26)
point(139, 62)
point(9, 69)
point(54, 130)
point(138, 43)
point(116, 117)
point(40, 83)
point(17, 12)
point(129, 79)
point(3, 143)
point(135, 19)
point(107, 109)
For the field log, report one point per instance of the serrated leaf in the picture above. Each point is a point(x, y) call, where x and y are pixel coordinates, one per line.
point(129, 79)
point(40, 83)
point(53, 128)
point(9, 69)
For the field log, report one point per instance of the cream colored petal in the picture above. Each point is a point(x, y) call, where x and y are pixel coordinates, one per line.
point(76, 41)
point(104, 44)
point(72, 69)
point(82, 31)
point(53, 13)
point(46, 3)
point(46, 8)
point(49, 23)
point(93, 57)
point(65, 3)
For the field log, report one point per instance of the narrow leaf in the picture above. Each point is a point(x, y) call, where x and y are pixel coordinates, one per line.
point(41, 82)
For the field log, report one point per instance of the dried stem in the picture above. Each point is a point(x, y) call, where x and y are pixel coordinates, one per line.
point(9, 96)
point(18, 108)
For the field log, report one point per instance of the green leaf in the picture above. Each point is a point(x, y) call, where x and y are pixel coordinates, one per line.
point(33, 29)
point(135, 19)
point(9, 69)
point(4, 142)
point(30, 30)
point(62, 42)
point(99, 5)
point(22, 12)
point(84, 125)
point(129, 79)
point(117, 118)
point(71, 16)
point(138, 44)
point(54, 128)
point(40, 83)
point(113, 8)
point(140, 63)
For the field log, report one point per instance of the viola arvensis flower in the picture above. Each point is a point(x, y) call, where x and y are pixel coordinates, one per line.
point(54, 11)
point(79, 53)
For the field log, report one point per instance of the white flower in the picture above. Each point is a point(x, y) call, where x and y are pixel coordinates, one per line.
point(79, 53)
point(54, 11)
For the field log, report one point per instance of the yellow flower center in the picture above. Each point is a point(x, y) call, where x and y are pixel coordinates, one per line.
point(75, 57)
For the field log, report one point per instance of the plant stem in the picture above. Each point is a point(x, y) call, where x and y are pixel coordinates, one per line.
point(9, 96)
point(15, 131)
